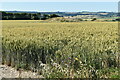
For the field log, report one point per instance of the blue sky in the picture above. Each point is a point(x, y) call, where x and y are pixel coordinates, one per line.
point(60, 6)
point(59, 0)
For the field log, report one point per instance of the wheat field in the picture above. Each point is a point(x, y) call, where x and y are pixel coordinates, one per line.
point(61, 49)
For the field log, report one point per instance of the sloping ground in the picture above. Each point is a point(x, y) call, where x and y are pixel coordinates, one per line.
point(78, 19)
point(8, 72)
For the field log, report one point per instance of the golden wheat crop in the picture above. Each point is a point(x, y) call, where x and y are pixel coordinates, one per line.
point(61, 50)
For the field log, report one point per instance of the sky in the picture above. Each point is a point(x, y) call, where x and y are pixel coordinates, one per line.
point(60, 6)
point(59, 0)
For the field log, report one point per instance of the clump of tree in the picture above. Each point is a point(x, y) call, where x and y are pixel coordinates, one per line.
point(46, 16)
point(26, 16)
point(54, 15)
point(94, 19)
point(118, 19)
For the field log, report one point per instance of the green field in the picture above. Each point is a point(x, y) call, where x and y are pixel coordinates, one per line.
point(62, 50)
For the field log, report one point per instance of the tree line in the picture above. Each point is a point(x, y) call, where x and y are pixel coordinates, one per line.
point(27, 16)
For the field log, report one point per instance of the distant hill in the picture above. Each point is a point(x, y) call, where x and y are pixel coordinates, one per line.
point(21, 11)
point(100, 14)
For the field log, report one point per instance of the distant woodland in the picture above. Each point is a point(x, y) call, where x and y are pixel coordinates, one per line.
point(27, 16)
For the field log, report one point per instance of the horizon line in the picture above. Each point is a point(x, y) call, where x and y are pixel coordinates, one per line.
point(56, 11)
